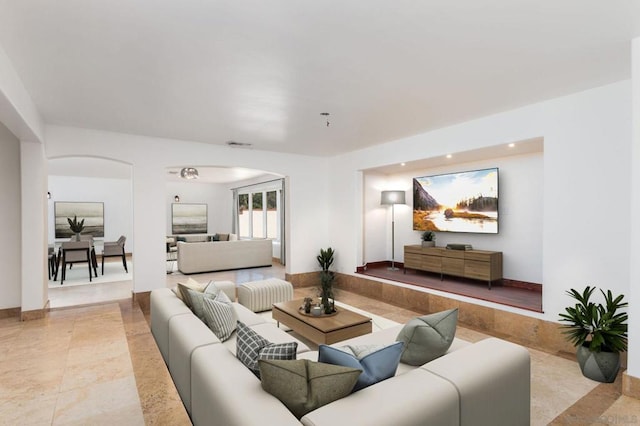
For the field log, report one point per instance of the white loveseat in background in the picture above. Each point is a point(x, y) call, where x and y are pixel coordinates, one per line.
point(223, 255)
point(485, 383)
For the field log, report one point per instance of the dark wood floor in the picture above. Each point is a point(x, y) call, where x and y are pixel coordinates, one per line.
point(505, 295)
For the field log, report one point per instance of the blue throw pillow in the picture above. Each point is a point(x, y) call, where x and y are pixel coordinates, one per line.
point(376, 362)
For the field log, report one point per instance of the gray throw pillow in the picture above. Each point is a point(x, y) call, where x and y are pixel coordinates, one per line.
point(304, 385)
point(251, 347)
point(428, 337)
point(377, 362)
point(196, 300)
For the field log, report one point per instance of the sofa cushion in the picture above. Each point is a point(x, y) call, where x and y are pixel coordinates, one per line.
point(377, 362)
point(251, 347)
point(220, 316)
point(304, 385)
point(428, 337)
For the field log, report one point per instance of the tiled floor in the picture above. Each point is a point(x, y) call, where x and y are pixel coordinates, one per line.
point(99, 364)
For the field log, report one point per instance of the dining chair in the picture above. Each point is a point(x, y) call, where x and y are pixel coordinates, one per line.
point(52, 262)
point(76, 252)
point(115, 249)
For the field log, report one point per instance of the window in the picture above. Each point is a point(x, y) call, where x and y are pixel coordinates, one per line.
point(272, 216)
point(260, 211)
point(257, 216)
point(244, 230)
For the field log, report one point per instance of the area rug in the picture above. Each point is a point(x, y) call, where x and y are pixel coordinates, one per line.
point(79, 275)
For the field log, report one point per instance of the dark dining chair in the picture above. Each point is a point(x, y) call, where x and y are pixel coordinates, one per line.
point(115, 249)
point(52, 262)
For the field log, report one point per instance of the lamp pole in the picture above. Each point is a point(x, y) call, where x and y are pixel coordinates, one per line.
point(393, 238)
point(392, 198)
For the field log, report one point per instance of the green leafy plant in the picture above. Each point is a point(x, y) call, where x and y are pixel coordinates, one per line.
point(428, 236)
point(76, 226)
point(596, 326)
point(325, 259)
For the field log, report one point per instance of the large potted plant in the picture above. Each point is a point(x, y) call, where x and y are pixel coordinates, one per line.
point(599, 331)
point(75, 226)
point(325, 259)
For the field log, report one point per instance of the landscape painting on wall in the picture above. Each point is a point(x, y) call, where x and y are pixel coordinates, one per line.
point(188, 218)
point(457, 202)
point(92, 213)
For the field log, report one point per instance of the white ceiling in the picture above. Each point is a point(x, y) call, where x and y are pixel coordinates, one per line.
point(261, 72)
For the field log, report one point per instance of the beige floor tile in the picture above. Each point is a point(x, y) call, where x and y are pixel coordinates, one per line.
point(109, 403)
point(27, 409)
point(625, 411)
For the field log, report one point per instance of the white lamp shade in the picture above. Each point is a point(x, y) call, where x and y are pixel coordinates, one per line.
point(392, 197)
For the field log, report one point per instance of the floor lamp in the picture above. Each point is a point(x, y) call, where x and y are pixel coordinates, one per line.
point(392, 198)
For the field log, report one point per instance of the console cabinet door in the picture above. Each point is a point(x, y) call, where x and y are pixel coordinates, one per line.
point(477, 269)
point(453, 266)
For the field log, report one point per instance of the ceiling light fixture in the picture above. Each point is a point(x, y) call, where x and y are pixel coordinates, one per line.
point(511, 145)
point(326, 116)
point(189, 173)
point(449, 156)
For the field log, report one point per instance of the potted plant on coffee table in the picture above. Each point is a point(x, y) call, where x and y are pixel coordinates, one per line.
point(325, 259)
point(599, 331)
point(428, 239)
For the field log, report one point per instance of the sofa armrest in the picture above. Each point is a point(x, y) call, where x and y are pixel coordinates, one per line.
point(164, 305)
point(493, 380)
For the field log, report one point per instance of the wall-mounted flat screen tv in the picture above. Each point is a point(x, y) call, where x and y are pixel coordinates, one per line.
point(457, 202)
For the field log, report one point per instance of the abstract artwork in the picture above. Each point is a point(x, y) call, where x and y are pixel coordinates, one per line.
point(92, 213)
point(188, 218)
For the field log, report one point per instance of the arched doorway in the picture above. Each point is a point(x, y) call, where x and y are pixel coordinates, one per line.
point(103, 186)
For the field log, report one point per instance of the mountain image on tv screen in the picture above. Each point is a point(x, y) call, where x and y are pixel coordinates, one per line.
point(457, 202)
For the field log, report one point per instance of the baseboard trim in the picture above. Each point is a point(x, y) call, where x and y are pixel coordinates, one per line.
point(9, 313)
point(35, 314)
point(506, 282)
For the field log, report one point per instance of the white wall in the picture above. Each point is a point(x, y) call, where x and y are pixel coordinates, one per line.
point(33, 200)
point(520, 220)
point(217, 197)
point(634, 291)
point(10, 219)
point(114, 193)
point(585, 186)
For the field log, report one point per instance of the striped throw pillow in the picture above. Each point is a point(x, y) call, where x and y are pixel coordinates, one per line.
point(220, 316)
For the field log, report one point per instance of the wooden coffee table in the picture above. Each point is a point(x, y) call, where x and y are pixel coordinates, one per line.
point(344, 325)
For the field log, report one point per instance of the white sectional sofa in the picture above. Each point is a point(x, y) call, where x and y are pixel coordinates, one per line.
point(486, 383)
point(199, 257)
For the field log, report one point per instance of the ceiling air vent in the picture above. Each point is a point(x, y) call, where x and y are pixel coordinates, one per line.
point(234, 144)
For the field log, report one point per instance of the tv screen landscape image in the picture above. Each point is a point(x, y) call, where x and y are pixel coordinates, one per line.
point(457, 202)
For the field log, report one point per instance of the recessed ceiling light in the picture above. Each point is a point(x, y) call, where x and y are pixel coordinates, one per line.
point(449, 156)
point(403, 164)
point(511, 145)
